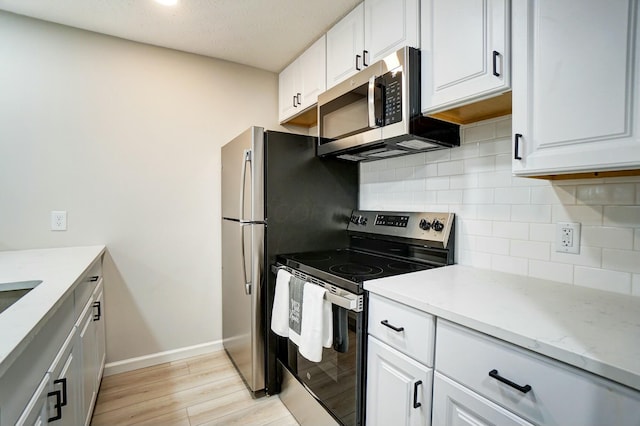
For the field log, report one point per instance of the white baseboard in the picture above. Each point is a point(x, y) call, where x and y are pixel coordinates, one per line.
point(161, 357)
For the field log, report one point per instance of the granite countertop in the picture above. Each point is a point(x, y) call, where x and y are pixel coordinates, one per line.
point(59, 269)
point(594, 330)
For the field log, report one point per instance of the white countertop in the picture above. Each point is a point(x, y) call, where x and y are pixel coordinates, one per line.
point(594, 330)
point(59, 269)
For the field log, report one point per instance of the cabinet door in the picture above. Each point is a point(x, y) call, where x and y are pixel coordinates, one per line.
point(453, 404)
point(287, 92)
point(575, 86)
point(465, 51)
point(35, 413)
point(313, 73)
point(64, 373)
point(345, 46)
point(87, 345)
point(390, 25)
point(398, 388)
point(99, 323)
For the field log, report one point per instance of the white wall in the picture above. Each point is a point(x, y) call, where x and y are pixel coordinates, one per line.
point(507, 223)
point(126, 137)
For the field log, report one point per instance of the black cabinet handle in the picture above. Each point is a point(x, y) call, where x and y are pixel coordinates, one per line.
point(495, 66)
point(516, 145)
point(94, 278)
point(96, 317)
point(63, 381)
point(58, 406)
point(416, 404)
point(364, 58)
point(495, 375)
point(298, 98)
point(386, 324)
point(294, 101)
point(358, 66)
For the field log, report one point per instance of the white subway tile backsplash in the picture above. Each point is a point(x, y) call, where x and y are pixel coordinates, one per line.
point(542, 232)
point(495, 179)
point(586, 215)
point(511, 265)
point(439, 155)
point(511, 230)
point(601, 279)
point(469, 150)
point(530, 249)
point(621, 260)
point(551, 271)
point(480, 164)
point(448, 168)
point(588, 256)
point(463, 181)
point(437, 183)
point(493, 245)
point(453, 196)
point(494, 211)
point(478, 196)
point(512, 195)
point(508, 223)
point(606, 194)
point(553, 195)
point(531, 213)
point(426, 170)
point(622, 216)
point(479, 132)
point(607, 237)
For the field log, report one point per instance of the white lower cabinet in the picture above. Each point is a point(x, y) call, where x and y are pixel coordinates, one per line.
point(455, 405)
point(398, 388)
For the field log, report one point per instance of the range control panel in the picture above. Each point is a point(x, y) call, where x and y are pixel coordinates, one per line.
point(428, 226)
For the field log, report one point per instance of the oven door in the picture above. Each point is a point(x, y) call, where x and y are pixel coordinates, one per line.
point(337, 382)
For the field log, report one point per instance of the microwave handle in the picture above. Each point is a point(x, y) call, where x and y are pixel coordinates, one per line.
point(371, 98)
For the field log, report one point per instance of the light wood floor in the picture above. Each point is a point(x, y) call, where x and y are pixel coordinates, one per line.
point(204, 390)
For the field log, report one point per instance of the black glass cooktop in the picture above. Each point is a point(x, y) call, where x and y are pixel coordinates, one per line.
point(354, 266)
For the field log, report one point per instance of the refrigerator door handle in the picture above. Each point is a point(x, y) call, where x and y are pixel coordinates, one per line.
point(247, 284)
point(243, 180)
point(244, 222)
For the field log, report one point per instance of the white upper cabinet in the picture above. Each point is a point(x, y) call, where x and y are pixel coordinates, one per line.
point(371, 31)
point(302, 81)
point(575, 86)
point(465, 51)
point(345, 46)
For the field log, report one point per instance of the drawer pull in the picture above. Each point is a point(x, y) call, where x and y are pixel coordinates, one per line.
point(96, 317)
point(94, 278)
point(386, 324)
point(64, 390)
point(495, 375)
point(416, 404)
point(57, 406)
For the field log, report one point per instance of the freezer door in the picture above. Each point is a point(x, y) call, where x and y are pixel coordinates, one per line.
point(242, 176)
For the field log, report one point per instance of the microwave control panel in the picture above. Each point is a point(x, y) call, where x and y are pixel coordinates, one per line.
point(392, 86)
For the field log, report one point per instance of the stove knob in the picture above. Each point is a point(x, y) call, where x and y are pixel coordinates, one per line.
point(363, 220)
point(424, 225)
point(437, 225)
point(354, 219)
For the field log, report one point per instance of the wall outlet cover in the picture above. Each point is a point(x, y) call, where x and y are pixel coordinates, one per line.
point(568, 237)
point(58, 220)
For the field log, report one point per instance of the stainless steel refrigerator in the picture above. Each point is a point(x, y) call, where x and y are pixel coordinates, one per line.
point(277, 197)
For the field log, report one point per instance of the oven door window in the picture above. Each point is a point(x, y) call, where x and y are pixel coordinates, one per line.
point(335, 381)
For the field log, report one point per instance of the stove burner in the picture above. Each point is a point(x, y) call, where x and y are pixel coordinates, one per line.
point(356, 269)
point(320, 257)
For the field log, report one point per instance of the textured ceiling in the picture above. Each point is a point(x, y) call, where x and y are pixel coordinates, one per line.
point(266, 34)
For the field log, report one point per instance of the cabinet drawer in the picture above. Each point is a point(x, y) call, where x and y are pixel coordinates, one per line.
point(406, 329)
point(559, 394)
point(87, 285)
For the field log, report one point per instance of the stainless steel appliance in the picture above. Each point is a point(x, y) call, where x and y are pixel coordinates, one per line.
point(376, 113)
point(277, 196)
point(381, 244)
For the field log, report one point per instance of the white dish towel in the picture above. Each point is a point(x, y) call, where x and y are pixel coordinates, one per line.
point(317, 323)
point(280, 311)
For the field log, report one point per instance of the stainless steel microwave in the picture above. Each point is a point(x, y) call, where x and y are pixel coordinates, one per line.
point(376, 113)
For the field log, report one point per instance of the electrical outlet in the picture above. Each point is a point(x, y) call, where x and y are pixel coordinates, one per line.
point(568, 237)
point(58, 220)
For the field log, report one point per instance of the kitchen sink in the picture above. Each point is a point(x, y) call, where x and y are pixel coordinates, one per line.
point(11, 292)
